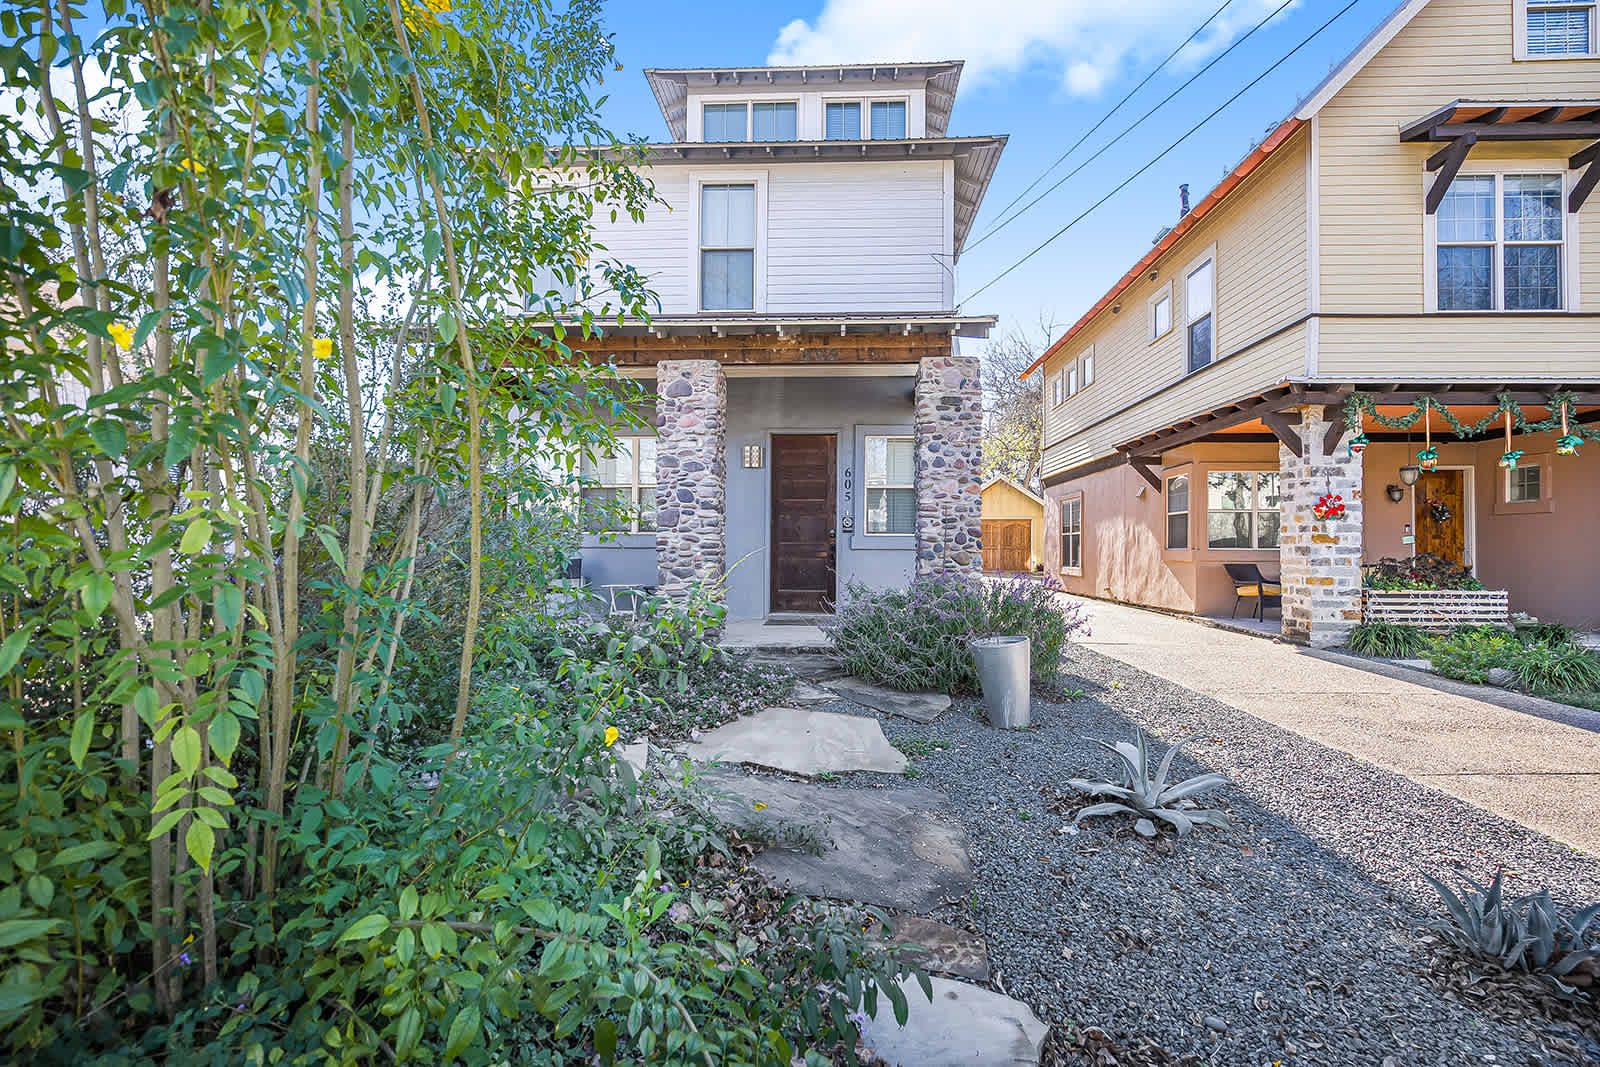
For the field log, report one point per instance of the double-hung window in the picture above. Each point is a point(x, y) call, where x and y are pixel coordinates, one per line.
point(1499, 243)
point(1072, 534)
point(773, 122)
point(1199, 313)
point(727, 247)
point(1178, 511)
point(726, 122)
point(1560, 28)
point(891, 488)
point(1242, 509)
point(842, 122)
point(622, 496)
point(888, 120)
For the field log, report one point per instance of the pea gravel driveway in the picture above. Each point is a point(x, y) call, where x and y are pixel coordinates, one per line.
point(1295, 938)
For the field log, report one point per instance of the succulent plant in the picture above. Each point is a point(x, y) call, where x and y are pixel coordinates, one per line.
point(1147, 796)
point(1527, 933)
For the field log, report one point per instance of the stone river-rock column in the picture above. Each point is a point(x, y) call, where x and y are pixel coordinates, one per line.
point(949, 458)
point(1321, 560)
point(691, 474)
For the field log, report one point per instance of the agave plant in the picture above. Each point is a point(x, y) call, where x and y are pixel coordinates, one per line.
point(1526, 932)
point(1146, 795)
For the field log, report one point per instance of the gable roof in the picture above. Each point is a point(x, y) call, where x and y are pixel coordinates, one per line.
point(1304, 111)
point(1013, 483)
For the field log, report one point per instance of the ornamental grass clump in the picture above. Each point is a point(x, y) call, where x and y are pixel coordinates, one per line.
point(1388, 639)
point(918, 637)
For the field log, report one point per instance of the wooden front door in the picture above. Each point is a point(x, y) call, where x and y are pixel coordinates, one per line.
point(803, 469)
point(1442, 515)
point(1007, 544)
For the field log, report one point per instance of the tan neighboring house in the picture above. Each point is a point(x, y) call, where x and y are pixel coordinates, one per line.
point(1416, 242)
point(1013, 526)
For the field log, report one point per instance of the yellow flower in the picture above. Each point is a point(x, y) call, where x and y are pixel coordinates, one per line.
point(760, 806)
point(192, 167)
point(611, 735)
point(121, 334)
point(322, 347)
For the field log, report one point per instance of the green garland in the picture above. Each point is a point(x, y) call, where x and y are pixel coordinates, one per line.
point(1366, 404)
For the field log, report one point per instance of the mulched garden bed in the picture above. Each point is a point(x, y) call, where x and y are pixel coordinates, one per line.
point(1297, 937)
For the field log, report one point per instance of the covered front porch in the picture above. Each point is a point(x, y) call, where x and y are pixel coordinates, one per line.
point(1310, 484)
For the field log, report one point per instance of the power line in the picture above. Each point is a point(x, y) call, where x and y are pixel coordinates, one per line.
point(1165, 151)
point(1117, 107)
point(1103, 119)
point(1133, 126)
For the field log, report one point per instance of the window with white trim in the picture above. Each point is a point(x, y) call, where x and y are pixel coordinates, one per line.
point(1199, 317)
point(888, 120)
point(1499, 243)
point(1243, 509)
point(1072, 534)
point(774, 121)
point(622, 498)
point(842, 121)
point(1160, 316)
point(891, 489)
point(1559, 28)
point(1085, 370)
point(725, 122)
point(1058, 389)
point(727, 247)
point(1072, 380)
point(1524, 484)
point(1178, 511)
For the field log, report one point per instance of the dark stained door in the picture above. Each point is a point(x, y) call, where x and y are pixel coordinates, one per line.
point(1441, 515)
point(802, 521)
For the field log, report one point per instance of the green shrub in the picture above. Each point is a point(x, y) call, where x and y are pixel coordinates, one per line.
point(917, 637)
point(1537, 666)
point(1469, 655)
point(1388, 639)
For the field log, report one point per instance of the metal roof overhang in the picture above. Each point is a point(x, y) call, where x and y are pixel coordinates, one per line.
point(1464, 123)
point(746, 324)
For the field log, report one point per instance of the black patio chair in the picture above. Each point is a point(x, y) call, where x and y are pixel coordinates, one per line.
point(1248, 581)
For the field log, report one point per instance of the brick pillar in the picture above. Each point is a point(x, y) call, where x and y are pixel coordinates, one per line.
point(1321, 560)
point(949, 456)
point(691, 473)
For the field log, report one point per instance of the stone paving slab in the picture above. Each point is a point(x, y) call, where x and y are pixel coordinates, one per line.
point(965, 1026)
point(918, 707)
point(937, 946)
point(890, 847)
point(810, 693)
point(802, 742)
point(636, 755)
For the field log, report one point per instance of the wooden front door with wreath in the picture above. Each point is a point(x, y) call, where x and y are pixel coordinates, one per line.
point(1441, 515)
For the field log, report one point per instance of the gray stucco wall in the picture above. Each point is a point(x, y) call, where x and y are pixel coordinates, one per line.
point(850, 407)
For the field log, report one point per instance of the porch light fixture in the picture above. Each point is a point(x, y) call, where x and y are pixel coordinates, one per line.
point(1396, 493)
point(1410, 473)
point(752, 456)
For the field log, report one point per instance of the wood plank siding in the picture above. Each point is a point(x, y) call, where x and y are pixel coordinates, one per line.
point(1261, 288)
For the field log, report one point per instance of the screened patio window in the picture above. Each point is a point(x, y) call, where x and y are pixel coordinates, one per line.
point(727, 247)
point(888, 120)
point(1242, 509)
point(624, 498)
point(842, 122)
point(891, 492)
point(1561, 27)
point(773, 122)
point(726, 122)
point(1499, 243)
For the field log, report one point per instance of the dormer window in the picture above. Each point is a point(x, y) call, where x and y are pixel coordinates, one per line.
point(888, 120)
point(726, 122)
point(774, 122)
point(842, 122)
point(1554, 29)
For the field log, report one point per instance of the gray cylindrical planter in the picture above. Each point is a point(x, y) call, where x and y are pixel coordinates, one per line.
point(1005, 668)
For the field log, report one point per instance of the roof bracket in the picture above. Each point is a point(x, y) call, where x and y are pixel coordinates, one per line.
point(1588, 158)
point(1447, 161)
point(1143, 464)
point(1285, 429)
point(1336, 428)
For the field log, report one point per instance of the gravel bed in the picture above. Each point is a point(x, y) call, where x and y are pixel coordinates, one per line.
point(1294, 938)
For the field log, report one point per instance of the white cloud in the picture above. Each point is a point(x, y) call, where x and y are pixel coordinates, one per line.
point(1084, 42)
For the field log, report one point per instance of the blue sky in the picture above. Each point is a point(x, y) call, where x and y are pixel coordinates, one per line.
point(1042, 71)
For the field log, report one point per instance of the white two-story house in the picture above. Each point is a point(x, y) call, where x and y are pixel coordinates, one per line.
point(814, 419)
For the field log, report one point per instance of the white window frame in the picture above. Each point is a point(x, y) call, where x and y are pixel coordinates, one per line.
point(1058, 388)
point(864, 102)
point(1519, 31)
point(1254, 509)
point(1153, 332)
point(1076, 533)
point(1570, 261)
point(1210, 254)
point(749, 103)
point(867, 487)
point(1072, 379)
point(758, 178)
point(635, 488)
point(1187, 512)
point(1086, 369)
point(1512, 477)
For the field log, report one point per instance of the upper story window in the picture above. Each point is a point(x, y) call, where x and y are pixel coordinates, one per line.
point(1559, 28)
point(1199, 306)
point(842, 122)
point(1161, 314)
point(1086, 370)
point(624, 500)
point(727, 247)
point(891, 487)
point(888, 120)
point(774, 121)
point(1499, 243)
point(1058, 389)
point(1072, 380)
point(726, 122)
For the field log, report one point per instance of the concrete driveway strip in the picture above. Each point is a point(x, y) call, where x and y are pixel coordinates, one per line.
point(1541, 773)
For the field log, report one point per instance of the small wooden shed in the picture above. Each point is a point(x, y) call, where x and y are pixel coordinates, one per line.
point(1013, 527)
